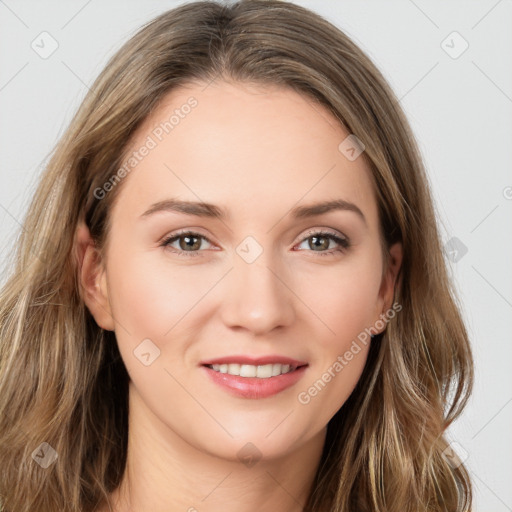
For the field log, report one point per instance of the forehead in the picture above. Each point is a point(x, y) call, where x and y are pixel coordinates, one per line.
point(254, 150)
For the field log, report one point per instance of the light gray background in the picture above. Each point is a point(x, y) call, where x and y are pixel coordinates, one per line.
point(460, 110)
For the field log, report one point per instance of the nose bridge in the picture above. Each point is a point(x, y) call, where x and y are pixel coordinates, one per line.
point(258, 298)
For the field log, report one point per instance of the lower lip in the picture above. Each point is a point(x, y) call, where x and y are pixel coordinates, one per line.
point(254, 387)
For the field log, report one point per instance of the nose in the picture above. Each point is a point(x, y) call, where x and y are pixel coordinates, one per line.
point(258, 296)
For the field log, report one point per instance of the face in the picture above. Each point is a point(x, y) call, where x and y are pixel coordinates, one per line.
point(260, 277)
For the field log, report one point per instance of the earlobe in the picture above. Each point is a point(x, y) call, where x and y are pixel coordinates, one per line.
point(92, 278)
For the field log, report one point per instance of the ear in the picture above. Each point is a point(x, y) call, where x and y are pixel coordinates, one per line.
point(92, 278)
point(389, 278)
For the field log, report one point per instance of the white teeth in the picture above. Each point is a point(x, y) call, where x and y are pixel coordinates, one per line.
point(248, 370)
point(265, 371)
point(233, 369)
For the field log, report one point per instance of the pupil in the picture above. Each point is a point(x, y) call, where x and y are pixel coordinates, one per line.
point(189, 245)
point(322, 246)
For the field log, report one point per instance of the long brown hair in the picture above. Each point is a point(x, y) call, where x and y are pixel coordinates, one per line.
point(62, 380)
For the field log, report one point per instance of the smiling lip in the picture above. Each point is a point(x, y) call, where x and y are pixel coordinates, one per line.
point(255, 387)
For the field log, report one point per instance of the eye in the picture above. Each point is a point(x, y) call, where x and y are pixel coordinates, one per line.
point(322, 240)
point(188, 242)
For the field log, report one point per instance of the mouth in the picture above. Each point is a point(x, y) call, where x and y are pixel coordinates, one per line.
point(247, 379)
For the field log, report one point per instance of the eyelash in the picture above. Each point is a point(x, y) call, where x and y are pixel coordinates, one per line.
point(343, 243)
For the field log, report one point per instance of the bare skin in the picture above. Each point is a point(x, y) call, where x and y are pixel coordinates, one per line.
point(257, 152)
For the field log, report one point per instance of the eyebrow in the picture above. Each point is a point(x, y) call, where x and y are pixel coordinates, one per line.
point(201, 209)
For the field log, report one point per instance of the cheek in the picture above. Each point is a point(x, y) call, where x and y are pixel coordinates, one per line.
point(344, 298)
point(346, 306)
point(346, 303)
point(155, 301)
point(154, 298)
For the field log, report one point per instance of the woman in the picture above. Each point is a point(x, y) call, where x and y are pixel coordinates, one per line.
point(230, 290)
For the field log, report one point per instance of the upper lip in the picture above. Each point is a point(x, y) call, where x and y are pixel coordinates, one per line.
point(256, 361)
